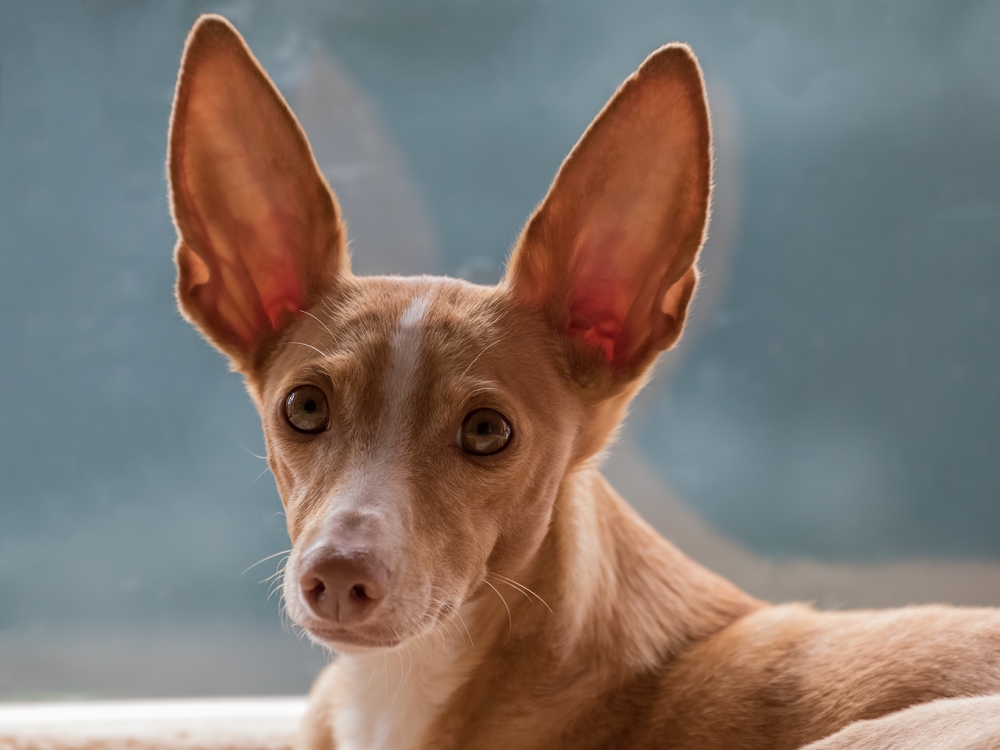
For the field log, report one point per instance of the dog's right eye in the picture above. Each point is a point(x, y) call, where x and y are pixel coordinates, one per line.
point(306, 409)
point(483, 433)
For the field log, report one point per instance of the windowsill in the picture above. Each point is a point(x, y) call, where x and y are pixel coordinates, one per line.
point(208, 724)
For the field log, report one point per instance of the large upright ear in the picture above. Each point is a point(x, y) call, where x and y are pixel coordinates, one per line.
point(259, 231)
point(609, 256)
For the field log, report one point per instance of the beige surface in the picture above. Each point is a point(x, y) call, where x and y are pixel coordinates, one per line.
point(957, 724)
point(211, 724)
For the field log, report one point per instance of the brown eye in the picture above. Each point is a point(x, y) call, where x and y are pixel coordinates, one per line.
point(483, 433)
point(306, 409)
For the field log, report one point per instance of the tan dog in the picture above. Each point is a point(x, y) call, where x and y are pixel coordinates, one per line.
point(436, 446)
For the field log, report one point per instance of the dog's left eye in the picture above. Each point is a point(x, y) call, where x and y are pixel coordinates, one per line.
point(483, 432)
point(306, 409)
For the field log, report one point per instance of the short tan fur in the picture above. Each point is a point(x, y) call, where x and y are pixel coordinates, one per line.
point(436, 445)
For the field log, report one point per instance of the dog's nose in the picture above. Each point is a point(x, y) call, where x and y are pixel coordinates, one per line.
point(342, 588)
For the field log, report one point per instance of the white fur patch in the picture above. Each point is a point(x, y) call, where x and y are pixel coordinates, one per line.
point(388, 700)
point(405, 362)
point(379, 480)
point(400, 380)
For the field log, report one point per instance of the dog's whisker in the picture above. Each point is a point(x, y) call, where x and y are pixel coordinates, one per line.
point(477, 391)
point(277, 585)
point(518, 589)
point(448, 606)
point(310, 346)
point(464, 625)
point(409, 667)
point(522, 588)
point(288, 625)
point(270, 578)
point(399, 656)
point(510, 620)
point(276, 573)
point(262, 458)
point(325, 327)
point(485, 348)
point(269, 557)
point(385, 671)
point(444, 619)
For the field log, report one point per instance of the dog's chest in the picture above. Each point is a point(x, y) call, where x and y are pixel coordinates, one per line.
point(387, 701)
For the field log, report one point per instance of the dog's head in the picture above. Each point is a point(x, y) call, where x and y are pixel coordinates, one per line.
point(420, 429)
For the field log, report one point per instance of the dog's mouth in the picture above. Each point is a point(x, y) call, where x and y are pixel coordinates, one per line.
point(375, 635)
point(343, 640)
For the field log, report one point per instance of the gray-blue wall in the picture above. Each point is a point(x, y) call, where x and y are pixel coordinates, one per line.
point(841, 401)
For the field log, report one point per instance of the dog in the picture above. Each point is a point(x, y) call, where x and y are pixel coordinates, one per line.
point(436, 445)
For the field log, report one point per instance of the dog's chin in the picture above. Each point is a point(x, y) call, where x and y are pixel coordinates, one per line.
point(347, 642)
point(370, 637)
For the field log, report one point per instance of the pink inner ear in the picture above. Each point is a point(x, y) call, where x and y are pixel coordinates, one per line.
point(269, 246)
point(280, 290)
point(604, 287)
point(281, 296)
point(256, 285)
point(291, 302)
point(592, 316)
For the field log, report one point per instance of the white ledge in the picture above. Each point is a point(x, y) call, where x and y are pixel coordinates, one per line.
point(207, 724)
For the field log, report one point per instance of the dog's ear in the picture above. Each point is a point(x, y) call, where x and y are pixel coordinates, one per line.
point(609, 256)
point(259, 231)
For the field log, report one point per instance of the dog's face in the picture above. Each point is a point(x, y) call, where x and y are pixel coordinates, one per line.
point(417, 443)
point(420, 430)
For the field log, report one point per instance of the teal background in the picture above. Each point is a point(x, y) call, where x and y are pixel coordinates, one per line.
point(839, 402)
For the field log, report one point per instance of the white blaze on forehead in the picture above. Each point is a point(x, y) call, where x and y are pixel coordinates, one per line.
point(404, 365)
point(412, 315)
point(379, 479)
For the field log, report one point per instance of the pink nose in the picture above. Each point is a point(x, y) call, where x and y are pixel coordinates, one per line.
point(342, 588)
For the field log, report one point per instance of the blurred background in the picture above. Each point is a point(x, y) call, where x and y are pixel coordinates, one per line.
point(829, 430)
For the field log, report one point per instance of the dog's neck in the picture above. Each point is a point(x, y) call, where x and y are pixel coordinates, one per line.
point(603, 590)
point(625, 594)
point(387, 700)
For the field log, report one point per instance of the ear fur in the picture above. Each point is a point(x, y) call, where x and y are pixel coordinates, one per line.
point(259, 231)
point(609, 257)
